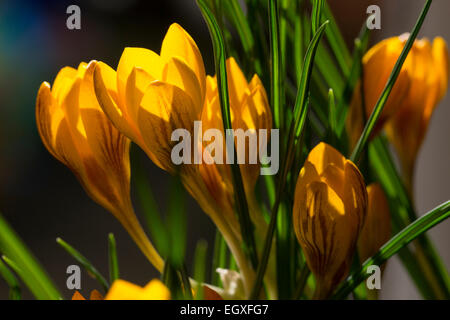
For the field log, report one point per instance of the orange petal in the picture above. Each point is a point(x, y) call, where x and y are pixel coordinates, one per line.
point(78, 296)
point(95, 295)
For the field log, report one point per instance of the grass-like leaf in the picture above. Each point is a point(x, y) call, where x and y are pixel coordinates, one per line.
point(84, 262)
point(33, 275)
point(399, 241)
point(176, 223)
point(148, 204)
point(337, 42)
point(222, 83)
point(300, 112)
point(316, 14)
point(361, 44)
point(332, 116)
point(199, 266)
point(274, 29)
point(402, 214)
point(113, 262)
point(219, 258)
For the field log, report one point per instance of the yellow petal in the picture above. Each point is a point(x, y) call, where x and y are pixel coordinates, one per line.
point(254, 111)
point(105, 85)
point(355, 195)
point(137, 83)
point(164, 108)
point(322, 232)
point(308, 174)
point(108, 146)
point(440, 56)
point(124, 290)
point(48, 118)
point(334, 177)
point(178, 43)
point(211, 89)
point(63, 82)
point(142, 58)
point(155, 290)
point(237, 84)
point(324, 154)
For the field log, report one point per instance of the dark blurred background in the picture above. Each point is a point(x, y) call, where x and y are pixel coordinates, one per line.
point(42, 199)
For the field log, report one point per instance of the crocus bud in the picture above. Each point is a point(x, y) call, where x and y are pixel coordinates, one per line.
point(124, 290)
point(377, 226)
point(329, 210)
point(428, 70)
point(75, 131)
point(378, 63)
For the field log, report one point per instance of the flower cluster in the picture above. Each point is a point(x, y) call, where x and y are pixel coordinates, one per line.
point(90, 115)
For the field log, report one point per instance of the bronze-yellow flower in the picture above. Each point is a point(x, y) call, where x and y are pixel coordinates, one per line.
point(75, 131)
point(329, 210)
point(428, 70)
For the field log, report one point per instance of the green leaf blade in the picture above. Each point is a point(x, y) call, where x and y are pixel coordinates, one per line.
point(399, 241)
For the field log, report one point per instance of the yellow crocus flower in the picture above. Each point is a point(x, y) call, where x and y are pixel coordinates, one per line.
point(329, 210)
point(428, 70)
point(250, 111)
point(377, 226)
point(151, 95)
point(422, 83)
point(75, 131)
point(124, 290)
